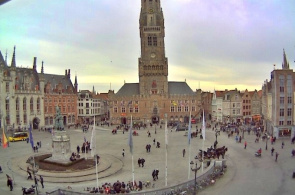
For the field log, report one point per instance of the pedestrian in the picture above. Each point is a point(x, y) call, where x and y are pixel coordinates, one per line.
point(183, 152)
point(283, 144)
point(78, 149)
point(41, 181)
point(139, 162)
point(277, 154)
point(272, 150)
point(40, 144)
point(245, 144)
point(123, 152)
point(142, 162)
point(9, 182)
point(154, 141)
point(157, 173)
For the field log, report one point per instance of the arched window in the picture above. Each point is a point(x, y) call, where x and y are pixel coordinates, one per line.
point(24, 104)
point(17, 104)
point(31, 105)
point(38, 104)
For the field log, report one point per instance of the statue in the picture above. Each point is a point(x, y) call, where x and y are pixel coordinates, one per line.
point(59, 125)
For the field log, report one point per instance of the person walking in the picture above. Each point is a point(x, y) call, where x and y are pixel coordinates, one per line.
point(272, 150)
point(183, 152)
point(41, 181)
point(277, 154)
point(283, 144)
point(245, 144)
point(123, 152)
point(9, 182)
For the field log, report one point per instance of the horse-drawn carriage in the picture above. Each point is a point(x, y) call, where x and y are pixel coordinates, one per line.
point(212, 153)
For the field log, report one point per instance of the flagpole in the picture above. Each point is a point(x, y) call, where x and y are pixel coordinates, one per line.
point(189, 146)
point(130, 143)
point(166, 143)
point(203, 132)
point(95, 153)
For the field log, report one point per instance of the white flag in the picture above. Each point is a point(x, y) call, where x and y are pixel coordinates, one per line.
point(203, 126)
point(166, 133)
point(93, 140)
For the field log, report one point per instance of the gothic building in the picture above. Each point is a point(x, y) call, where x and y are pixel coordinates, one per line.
point(27, 96)
point(154, 96)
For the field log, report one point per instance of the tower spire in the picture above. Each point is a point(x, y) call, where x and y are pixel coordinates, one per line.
point(13, 64)
point(35, 63)
point(42, 68)
point(76, 83)
point(6, 57)
point(285, 64)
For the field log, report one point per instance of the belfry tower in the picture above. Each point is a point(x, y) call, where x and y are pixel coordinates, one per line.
point(152, 65)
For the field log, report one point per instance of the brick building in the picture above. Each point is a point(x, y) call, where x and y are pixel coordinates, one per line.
point(154, 96)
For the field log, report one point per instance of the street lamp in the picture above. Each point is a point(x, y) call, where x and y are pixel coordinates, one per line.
point(195, 170)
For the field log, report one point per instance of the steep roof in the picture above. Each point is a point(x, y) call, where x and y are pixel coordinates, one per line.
point(55, 80)
point(26, 79)
point(219, 94)
point(2, 62)
point(178, 88)
point(128, 89)
point(174, 88)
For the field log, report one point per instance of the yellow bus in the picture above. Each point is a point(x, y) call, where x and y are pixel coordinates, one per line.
point(18, 136)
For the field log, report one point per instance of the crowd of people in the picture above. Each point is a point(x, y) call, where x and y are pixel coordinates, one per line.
point(116, 188)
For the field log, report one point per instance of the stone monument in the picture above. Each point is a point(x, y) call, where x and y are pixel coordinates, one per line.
point(61, 146)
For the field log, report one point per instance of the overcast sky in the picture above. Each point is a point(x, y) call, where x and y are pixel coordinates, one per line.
point(221, 44)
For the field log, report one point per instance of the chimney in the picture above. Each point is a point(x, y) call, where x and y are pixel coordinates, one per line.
point(66, 73)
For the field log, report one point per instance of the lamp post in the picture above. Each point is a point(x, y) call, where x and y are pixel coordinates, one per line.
point(266, 142)
point(195, 170)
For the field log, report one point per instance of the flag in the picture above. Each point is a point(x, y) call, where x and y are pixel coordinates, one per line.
point(93, 140)
point(31, 136)
point(4, 139)
point(130, 141)
point(166, 133)
point(189, 134)
point(203, 126)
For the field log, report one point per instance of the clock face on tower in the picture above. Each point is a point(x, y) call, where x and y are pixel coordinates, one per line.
point(153, 55)
point(151, 11)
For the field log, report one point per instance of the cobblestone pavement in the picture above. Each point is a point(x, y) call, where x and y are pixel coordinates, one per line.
point(246, 174)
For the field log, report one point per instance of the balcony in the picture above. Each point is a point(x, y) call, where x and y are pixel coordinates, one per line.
point(152, 29)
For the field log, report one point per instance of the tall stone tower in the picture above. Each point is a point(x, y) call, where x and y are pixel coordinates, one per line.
point(152, 65)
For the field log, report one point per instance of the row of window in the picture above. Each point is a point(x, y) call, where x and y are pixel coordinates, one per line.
point(153, 67)
point(24, 101)
point(246, 107)
point(89, 111)
point(50, 120)
point(289, 100)
point(88, 105)
point(289, 112)
point(59, 100)
point(246, 113)
point(282, 122)
point(51, 109)
point(152, 41)
point(247, 101)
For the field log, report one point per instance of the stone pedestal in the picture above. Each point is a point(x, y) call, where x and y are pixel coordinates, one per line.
point(61, 147)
